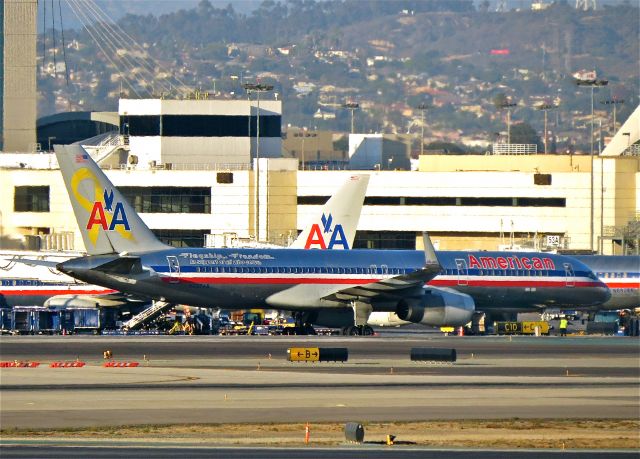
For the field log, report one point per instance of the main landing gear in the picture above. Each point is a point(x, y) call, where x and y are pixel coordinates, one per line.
point(357, 330)
point(302, 327)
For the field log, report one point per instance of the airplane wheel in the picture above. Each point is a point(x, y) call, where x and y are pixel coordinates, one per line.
point(367, 330)
point(353, 331)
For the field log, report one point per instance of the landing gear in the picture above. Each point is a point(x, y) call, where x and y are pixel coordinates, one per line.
point(357, 330)
point(361, 313)
point(303, 327)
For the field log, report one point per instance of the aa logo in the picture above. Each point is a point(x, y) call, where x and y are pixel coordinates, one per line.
point(317, 236)
point(103, 213)
point(98, 216)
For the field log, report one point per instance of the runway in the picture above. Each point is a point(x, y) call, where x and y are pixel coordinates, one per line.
point(20, 452)
point(233, 380)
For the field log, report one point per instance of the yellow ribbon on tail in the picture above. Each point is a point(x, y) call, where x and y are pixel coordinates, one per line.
point(85, 174)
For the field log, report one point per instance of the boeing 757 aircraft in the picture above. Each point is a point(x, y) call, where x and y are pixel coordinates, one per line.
point(621, 273)
point(327, 287)
point(23, 284)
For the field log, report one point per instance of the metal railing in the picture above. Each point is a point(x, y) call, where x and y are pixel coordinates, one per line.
point(514, 149)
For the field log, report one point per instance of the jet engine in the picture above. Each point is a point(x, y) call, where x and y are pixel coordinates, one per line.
point(438, 307)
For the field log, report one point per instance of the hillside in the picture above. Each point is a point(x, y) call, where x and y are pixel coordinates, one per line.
point(388, 56)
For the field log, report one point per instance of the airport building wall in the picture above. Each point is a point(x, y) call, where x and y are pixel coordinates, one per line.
point(35, 202)
point(461, 208)
point(200, 132)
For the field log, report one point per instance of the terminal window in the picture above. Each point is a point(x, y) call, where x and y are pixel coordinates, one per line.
point(168, 199)
point(181, 238)
point(31, 199)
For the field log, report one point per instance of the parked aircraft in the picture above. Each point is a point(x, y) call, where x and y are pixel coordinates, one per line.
point(36, 282)
point(621, 273)
point(327, 287)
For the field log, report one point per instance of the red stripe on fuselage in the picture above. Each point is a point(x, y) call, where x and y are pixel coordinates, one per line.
point(24, 292)
point(267, 280)
point(352, 281)
point(618, 284)
point(513, 283)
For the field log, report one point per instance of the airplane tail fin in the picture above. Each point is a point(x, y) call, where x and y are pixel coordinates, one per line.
point(335, 225)
point(106, 220)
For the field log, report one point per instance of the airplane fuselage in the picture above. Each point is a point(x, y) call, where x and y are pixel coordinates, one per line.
point(621, 273)
point(247, 278)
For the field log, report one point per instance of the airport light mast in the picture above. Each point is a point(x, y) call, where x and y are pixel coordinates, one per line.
point(352, 106)
point(614, 102)
point(592, 83)
point(257, 88)
point(423, 108)
point(545, 108)
point(508, 105)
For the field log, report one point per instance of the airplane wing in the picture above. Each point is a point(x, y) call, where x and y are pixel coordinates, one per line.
point(388, 289)
point(30, 262)
point(393, 288)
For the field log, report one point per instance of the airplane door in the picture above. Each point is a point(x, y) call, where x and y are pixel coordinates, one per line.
point(463, 272)
point(569, 275)
point(174, 269)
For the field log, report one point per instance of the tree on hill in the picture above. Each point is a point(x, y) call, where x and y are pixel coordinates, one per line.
point(524, 133)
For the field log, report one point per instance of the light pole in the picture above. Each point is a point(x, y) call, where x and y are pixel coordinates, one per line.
point(508, 105)
point(422, 108)
point(352, 106)
point(545, 108)
point(592, 83)
point(50, 139)
point(304, 134)
point(257, 88)
point(615, 103)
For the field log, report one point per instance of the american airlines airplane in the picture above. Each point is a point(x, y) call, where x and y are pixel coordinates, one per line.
point(621, 273)
point(25, 283)
point(326, 287)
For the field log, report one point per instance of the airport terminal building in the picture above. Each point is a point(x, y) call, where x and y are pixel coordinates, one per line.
point(464, 202)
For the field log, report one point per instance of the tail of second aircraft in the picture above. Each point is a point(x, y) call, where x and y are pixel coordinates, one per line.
point(334, 227)
point(106, 220)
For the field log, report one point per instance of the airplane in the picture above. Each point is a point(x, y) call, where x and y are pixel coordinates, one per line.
point(338, 288)
point(30, 285)
point(621, 273)
point(30, 278)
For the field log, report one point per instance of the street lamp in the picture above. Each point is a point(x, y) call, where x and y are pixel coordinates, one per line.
point(257, 88)
point(615, 103)
point(353, 106)
point(592, 83)
point(50, 139)
point(508, 105)
point(546, 108)
point(304, 134)
point(422, 107)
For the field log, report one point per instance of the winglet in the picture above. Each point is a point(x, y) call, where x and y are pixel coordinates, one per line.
point(430, 256)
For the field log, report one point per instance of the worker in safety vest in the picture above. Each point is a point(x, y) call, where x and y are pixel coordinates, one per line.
point(564, 323)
